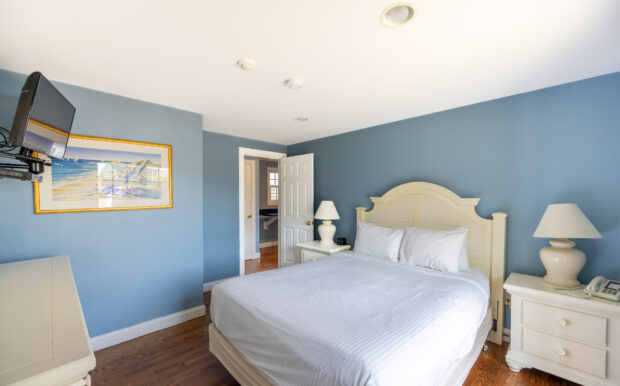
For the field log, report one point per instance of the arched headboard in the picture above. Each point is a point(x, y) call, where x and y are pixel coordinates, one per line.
point(431, 206)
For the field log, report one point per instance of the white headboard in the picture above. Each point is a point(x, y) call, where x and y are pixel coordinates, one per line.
point(431, 206)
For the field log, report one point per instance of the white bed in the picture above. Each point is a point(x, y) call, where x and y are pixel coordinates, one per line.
point(358, 320)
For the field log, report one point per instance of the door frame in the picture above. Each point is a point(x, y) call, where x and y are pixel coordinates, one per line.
point(254, 254)
point(243, 152)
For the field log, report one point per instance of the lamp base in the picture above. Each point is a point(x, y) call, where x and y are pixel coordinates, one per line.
point(563, 263)
point(327, 230)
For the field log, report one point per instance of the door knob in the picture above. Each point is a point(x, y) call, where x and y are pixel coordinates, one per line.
point(308, 222)
point(249, 216)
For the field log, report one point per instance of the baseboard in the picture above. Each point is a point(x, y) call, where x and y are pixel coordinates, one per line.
point(128, 333)
point(268, 244)
point(206, 287)
point(507, 335)
point(255, 256)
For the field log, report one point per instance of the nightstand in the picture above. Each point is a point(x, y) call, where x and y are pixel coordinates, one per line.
point(314, 250)
point(563, 332)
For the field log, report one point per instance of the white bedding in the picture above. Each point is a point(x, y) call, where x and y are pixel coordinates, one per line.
point(352, 319)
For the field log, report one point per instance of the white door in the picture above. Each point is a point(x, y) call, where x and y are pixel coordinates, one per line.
point(295, 206)
point(249, 205)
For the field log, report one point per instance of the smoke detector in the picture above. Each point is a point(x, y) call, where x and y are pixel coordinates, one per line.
point(294, 83)
point(300, 119)
point(398, 14)
point(246, 64)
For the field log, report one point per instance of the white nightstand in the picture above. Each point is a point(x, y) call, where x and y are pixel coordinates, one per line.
point(562, 332)
point(314, 250)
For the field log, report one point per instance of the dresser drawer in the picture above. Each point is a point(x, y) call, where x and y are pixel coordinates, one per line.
point(308, 256)
point(579, 356)
point(571, 324)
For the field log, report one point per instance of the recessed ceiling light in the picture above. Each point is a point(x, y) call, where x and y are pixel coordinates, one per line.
point(300, 119)
point(246, 64)
point(398, 14)
point(294, 83)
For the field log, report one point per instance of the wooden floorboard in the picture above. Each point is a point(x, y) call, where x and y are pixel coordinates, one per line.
point(180, 355)
point(491, 369)
point(268, 260)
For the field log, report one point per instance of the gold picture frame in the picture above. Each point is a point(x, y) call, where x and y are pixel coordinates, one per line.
point(133, 176)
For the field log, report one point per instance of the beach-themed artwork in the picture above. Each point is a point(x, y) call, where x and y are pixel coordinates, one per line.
point(106, 174)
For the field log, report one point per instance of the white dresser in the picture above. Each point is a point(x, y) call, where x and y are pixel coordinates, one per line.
point(314, 250)
point(562, 332)
point(43, 336)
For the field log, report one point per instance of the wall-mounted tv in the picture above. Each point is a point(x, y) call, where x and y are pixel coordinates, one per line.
point(43, 118)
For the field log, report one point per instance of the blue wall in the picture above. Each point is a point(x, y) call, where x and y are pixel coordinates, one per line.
point(221, 201)
point(518, 154)
point(129, 266)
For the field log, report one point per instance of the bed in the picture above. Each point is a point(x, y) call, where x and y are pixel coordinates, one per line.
point(354, 319)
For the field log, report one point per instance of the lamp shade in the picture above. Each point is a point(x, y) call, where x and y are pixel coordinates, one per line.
point(565, 221)
point(327, 211)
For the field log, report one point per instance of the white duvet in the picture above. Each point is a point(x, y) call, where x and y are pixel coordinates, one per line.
point(352, 319)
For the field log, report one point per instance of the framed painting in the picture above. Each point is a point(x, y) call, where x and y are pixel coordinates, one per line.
point(100, 174)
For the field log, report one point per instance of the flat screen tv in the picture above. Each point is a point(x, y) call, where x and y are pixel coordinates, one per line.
point(43, 118)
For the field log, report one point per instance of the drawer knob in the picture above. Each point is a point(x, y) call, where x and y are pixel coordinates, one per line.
point(562, 322)
point(561, 351)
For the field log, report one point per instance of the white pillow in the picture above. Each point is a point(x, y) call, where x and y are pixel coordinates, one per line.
point(374, 240)
point(439, 250)
point(463, 258)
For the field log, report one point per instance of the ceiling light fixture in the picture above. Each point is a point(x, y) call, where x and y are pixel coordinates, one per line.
point(300, 119)
point(294, 83)
point(398, 14)
point(246, 64)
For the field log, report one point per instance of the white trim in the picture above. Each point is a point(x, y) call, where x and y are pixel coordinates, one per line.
point(206, 287)
point(506, 335)
point(268, 244)
point(243, 152)
point(256, 255)
point(137, 330)
point(253, 211)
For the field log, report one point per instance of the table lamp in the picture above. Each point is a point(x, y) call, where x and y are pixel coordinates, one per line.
point(327, 212)
point(563, 262)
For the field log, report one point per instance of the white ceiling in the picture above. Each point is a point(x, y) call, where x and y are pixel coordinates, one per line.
point(357, 73)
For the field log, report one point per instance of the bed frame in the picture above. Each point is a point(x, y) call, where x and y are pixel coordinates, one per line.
point(424, 205)
point(431, 206)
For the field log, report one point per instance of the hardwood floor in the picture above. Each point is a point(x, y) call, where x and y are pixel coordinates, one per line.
point(491, 369)
point(180, 355)
point(268, 260)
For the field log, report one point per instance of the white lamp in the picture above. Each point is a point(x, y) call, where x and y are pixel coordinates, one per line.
point(327, 212)
point(562, 262)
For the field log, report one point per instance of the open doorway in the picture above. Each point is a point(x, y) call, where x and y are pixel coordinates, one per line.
point(259, 190)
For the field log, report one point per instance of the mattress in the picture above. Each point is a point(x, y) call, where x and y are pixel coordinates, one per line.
point(351, 319)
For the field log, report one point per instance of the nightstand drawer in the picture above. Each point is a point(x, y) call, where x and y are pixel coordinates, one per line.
point(579, 356)
point(571, 324)
point(308, 256)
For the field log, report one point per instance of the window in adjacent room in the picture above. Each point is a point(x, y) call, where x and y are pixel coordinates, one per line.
point(272, 186)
